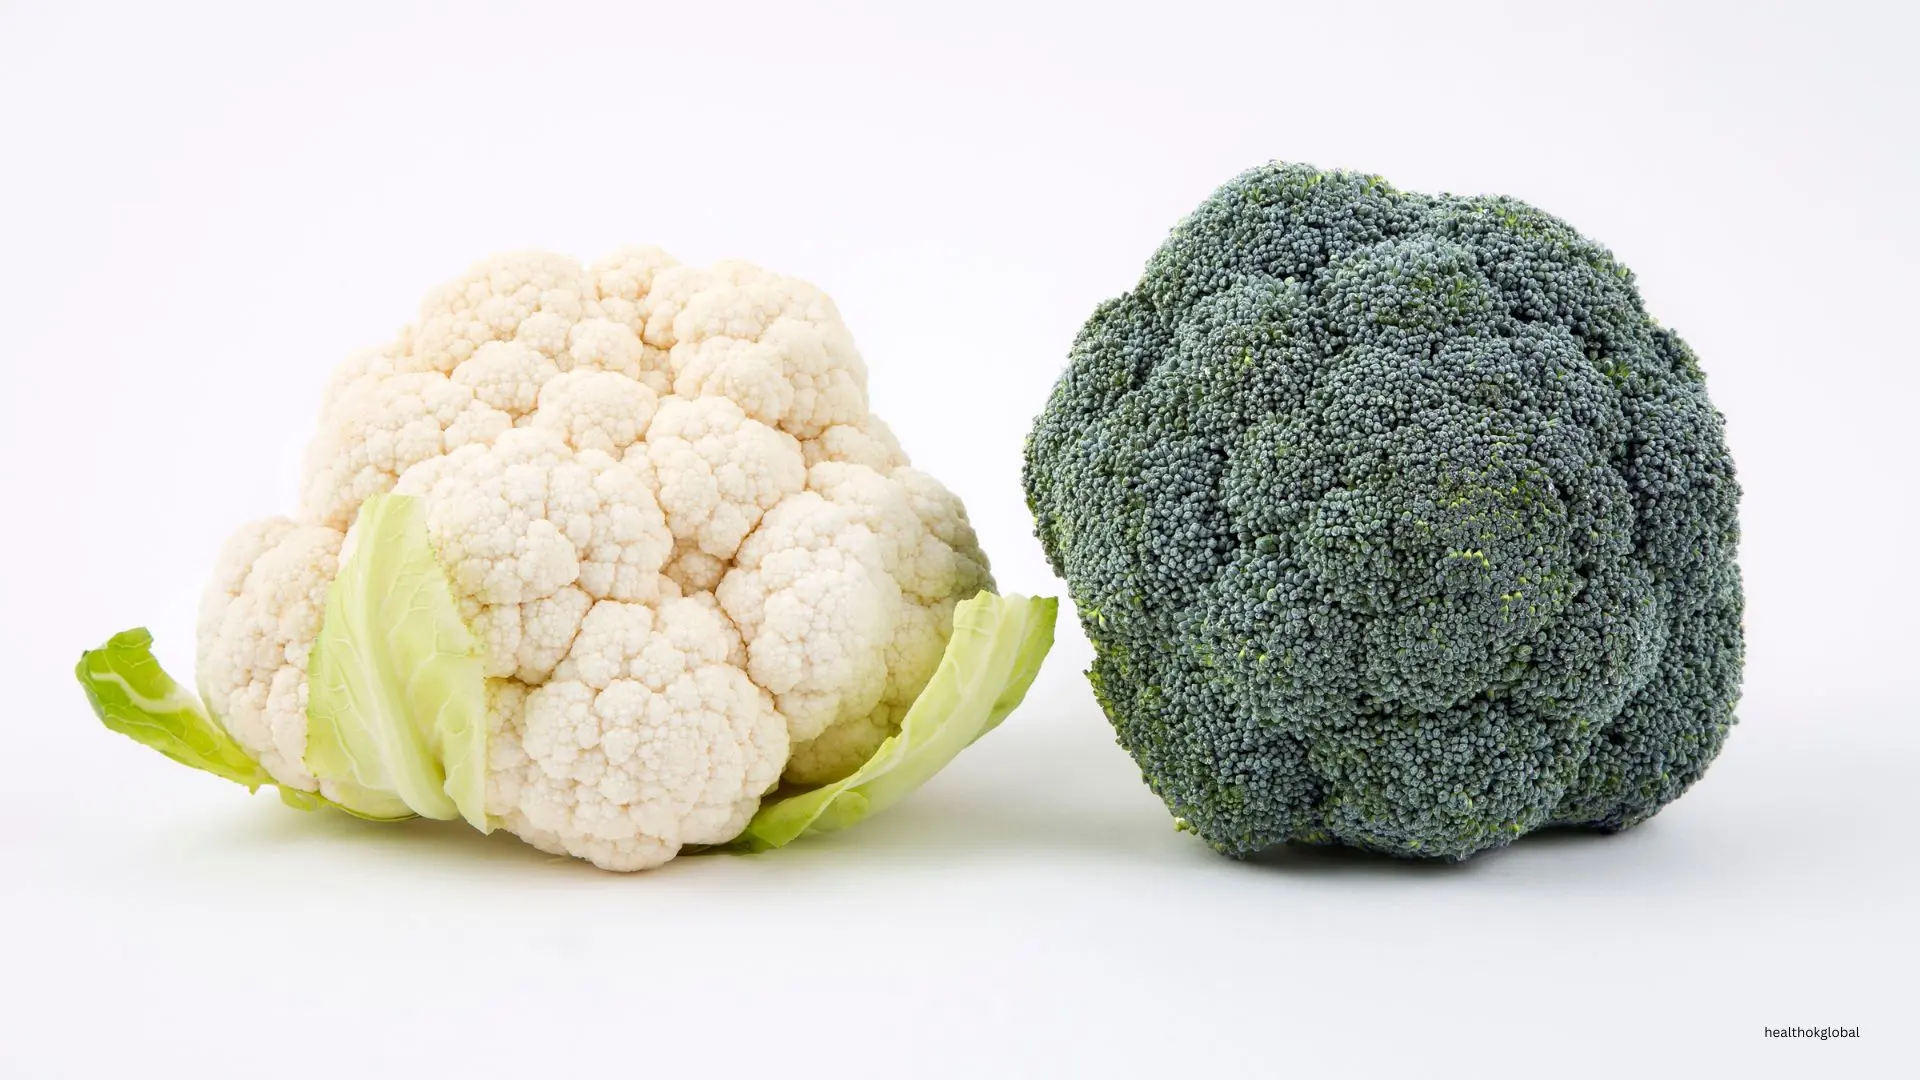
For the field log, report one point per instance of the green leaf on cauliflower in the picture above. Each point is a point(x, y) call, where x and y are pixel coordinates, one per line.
point(132, 694)
point(396, 708)
point(996, 649)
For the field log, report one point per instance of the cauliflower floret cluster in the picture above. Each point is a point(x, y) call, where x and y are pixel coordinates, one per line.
point(698, 564)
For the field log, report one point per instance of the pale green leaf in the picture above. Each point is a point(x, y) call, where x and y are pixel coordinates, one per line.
point(996, 649)
point(132, 694)
point(396, 708)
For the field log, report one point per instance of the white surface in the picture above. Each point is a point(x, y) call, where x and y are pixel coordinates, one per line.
point(201, 212)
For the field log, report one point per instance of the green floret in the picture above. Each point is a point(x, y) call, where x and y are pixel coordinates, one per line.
point(1395, 521)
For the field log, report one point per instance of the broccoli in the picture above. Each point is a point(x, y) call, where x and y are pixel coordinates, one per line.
point(1395, 522)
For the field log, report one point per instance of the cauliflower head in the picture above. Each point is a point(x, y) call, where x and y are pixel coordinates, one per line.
point(693, 563)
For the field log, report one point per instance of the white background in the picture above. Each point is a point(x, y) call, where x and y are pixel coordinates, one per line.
point(201, 211)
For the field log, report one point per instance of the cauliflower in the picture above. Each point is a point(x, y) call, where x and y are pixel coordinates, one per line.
point(636, 520)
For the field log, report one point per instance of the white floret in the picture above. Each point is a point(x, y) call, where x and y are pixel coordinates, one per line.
point(811, 596)
point(613, 518)
point(912, 655)
point(521, 519)
point(595, 410)
point(613, 346)
point(842, 748)
point(506, 375)
point(380, 428)
point(929, 551)
point(647, 738)
point(920, 551)
point(624, 282)
point(773, 345)
point(695, 571)
point(945, 517)
point(870, 443)
point(487, 516)
point(230, 570)
point(493, 300)
point(257, 628)
point(526, 641)
point(366, 367)
point(718, 471)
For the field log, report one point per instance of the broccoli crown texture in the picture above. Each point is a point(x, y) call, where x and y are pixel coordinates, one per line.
point(1395, 521)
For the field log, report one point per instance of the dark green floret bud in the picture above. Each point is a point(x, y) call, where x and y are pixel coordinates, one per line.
point(1395, 521)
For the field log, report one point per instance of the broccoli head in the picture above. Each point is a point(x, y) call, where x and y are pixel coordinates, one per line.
point(1395, 521)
